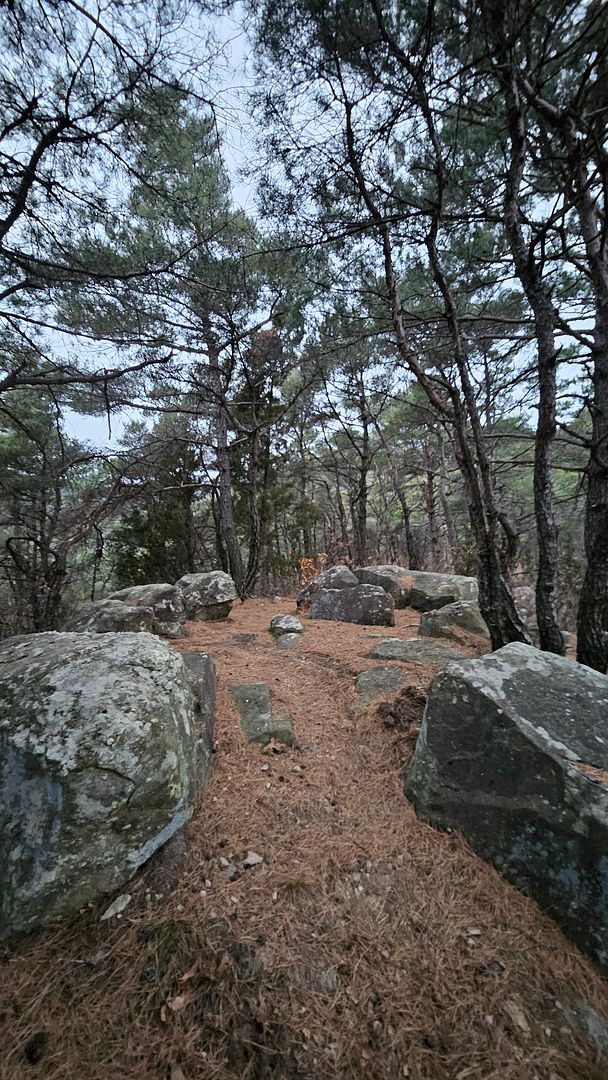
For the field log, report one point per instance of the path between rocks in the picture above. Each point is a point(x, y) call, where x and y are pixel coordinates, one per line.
point(364, 945)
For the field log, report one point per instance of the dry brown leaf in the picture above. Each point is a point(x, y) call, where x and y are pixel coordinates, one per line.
point(179, 1002)
point(190, 973)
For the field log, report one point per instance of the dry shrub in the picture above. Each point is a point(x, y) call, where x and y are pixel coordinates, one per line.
point(366, 946)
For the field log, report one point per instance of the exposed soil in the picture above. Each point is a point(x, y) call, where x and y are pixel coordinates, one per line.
point(365, 945)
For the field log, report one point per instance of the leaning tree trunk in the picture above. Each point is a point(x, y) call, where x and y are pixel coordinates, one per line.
point(495, 598)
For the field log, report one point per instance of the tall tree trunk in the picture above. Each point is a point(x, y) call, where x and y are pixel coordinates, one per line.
point(448, 517)
point(431, 507)
point(545, 321)
point(225, 506)
point(413, 557)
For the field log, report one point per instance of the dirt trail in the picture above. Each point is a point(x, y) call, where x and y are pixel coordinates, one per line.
point(365, 945)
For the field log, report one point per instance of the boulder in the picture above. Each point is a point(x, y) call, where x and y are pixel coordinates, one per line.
point(446, 621)
point(110, 616)
point(259, 722)
point(395, 580)
point(203, 679)
point(378, 681)
point(513, 751)
point(366, 604)
point(207, 596)
point(525, 602)
point(166, 603)
point(97, 770)
point(285, 624)
point(414, 651)
point(335, 577)
point(427, 591)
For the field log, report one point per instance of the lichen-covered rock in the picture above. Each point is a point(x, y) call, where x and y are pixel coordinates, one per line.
point(378, 681)
point(96, 767)
point(525, 602)
point(289, 641)
point(414, 651)
point(259, 721)
point(513, 751)
point(446, 621)
point(166, 602)
point(335, 577)
point(366, 604)
point(110, 616)
point(427, 591)
point(419, 589)
point(285, 624)
point(394, 579)
point(203, 678)
point(207, 596)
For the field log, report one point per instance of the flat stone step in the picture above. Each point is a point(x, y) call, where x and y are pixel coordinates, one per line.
point(378, 681)
point(259, 721)
point(414, 651)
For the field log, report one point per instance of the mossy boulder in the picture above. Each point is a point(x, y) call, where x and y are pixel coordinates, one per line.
point(110, 616)
point(368, 605)
point(97, 767)
point(166, 602)
point(513, 751)
point(445, 622)
point(207, 596)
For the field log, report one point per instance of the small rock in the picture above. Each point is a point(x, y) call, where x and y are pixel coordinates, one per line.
point(252, 859)
point(116, 907)
point(285, 624)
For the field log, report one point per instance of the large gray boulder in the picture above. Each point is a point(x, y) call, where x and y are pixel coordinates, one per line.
point(394, 579)
point(365, 604)
point(446, 621)
point(97, 767)
point(110, 616)
point(513, 751)
point(207, 596)
point(427, 591)
point(335, 577)
point(166, 602)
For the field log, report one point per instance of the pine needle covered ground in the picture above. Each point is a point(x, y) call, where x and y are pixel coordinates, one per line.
point(364, 945)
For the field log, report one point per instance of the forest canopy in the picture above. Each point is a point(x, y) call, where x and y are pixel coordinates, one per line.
point(394, 349)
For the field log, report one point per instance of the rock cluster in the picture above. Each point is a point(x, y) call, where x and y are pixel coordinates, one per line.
point(160, 608)
point(370, 594)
